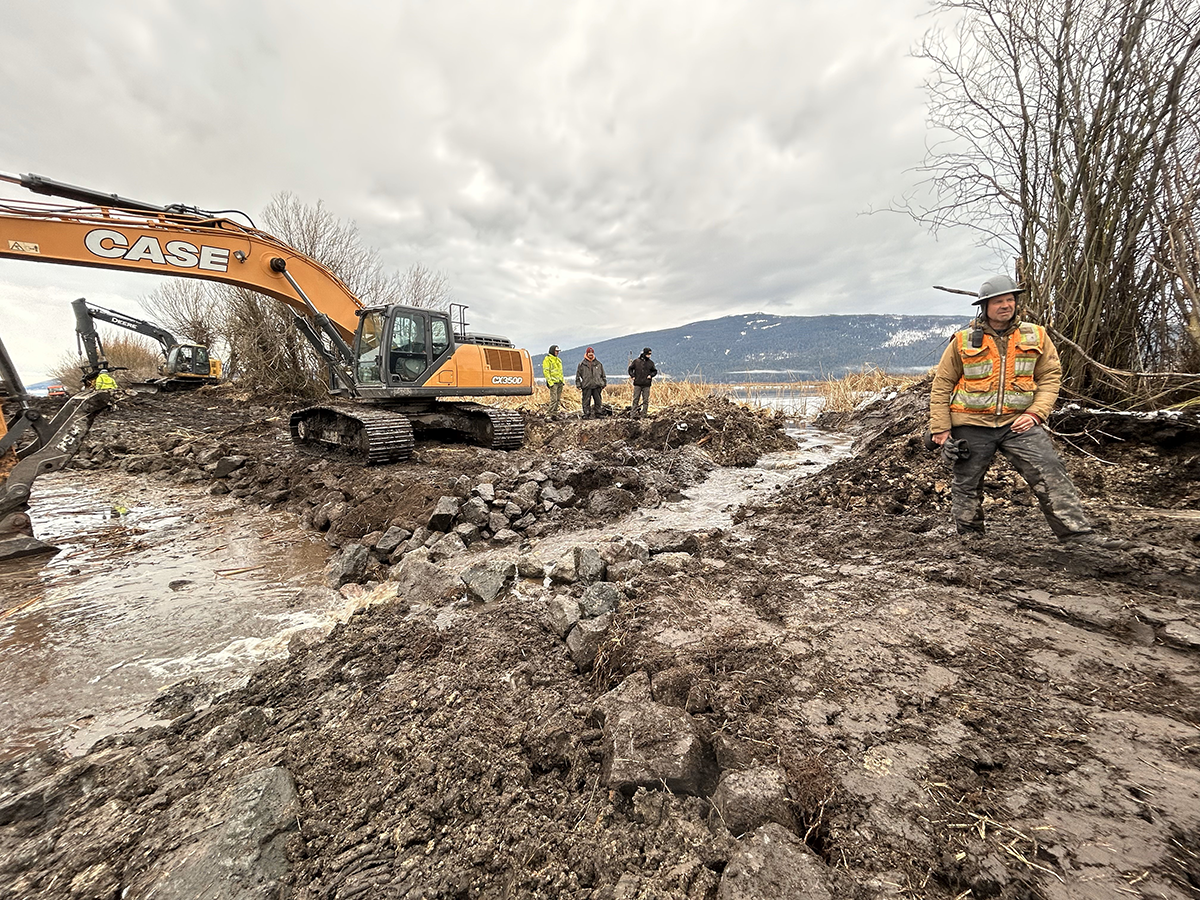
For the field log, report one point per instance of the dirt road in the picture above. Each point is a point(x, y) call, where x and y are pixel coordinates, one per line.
point(835, 697)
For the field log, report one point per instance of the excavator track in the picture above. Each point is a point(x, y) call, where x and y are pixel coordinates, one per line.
point(366, 436)
point(487, 426)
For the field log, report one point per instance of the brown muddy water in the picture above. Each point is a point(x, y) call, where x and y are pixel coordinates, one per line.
point(153, 584)
point(159, 583)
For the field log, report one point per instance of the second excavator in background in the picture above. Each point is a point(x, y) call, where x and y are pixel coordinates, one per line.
point(391, 368)
point(185, 365)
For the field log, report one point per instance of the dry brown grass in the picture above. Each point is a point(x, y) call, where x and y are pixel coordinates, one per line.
point(797, 398)
point(845, 393)
point(131, 357)
point(619, 396)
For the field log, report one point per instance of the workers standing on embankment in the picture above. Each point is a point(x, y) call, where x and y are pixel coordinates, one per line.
point(591, 381)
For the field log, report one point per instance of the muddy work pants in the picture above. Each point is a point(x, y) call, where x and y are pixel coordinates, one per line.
point(591, 402)
point(641, 400)
point(555, 399)
point(1032, 454)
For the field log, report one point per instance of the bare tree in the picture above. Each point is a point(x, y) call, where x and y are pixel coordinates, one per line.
point(420, 286)
point(266, 352)
point(188, 309)
point(1063, 120)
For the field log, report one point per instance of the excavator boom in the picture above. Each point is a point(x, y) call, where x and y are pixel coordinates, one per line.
point(401, 360)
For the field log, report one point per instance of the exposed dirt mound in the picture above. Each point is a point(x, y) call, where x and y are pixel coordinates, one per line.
point(837, 686)
point(1118, 458)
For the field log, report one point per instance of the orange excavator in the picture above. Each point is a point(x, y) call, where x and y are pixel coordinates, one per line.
point(391, 368)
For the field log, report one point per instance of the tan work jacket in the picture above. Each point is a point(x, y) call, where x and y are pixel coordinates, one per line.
point(1047, 379)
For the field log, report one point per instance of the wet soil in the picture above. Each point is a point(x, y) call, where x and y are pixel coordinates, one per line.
point(999, 717)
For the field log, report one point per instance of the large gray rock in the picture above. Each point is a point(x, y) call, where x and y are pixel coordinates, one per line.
point(650, 745)
point(238, 851)
point(563, 611)
point(487, 581)
point(525, 496)
point(391, 539)
point(563, 570)
point(610, 502)
point(475, 511)
point(227, 465)
point(530, 566)
point(497, 522)
point(468, 532)
point(598, 600)
point(442, 518)
point(446, 546)
point(349, 565)
point(671, 540)
point(775, 863)
point(625, 571)
point(751, 798)
point(624, 549)
point(420, 581)
point(589, 566)
point(558, 496)
point(584, 640)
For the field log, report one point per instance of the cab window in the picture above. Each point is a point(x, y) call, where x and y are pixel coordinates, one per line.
point(366, 347)
point(406, 358)
point(441, 336)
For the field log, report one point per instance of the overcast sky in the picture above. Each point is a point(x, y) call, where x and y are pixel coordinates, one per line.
point(577, 170)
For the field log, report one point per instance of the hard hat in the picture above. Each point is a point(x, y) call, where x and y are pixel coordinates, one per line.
point(997, 286)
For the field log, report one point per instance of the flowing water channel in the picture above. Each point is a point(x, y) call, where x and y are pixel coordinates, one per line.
point(153, 584)
point(157, 583)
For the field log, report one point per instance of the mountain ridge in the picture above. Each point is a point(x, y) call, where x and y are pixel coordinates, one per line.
point(768, 347)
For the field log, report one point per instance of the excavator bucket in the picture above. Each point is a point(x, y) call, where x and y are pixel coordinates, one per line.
point(51, 445)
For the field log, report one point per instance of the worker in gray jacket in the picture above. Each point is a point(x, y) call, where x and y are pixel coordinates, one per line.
point(591, 381)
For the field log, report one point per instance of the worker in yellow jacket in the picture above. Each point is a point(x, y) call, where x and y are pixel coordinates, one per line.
point(105, 382)
point(553, 370)
point(994, 389)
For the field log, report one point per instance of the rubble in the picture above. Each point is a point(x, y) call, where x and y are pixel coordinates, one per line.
point(834, 696)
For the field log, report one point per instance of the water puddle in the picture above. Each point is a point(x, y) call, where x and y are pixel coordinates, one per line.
point(154, 584)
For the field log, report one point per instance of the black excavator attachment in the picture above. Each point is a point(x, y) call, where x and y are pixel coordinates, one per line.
point(40, 445)
point(375, 436)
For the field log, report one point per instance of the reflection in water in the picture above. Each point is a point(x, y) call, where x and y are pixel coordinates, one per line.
point(152, 584)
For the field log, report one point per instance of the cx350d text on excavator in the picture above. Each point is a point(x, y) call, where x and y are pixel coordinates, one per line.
point(185, 365)
point(391, 368)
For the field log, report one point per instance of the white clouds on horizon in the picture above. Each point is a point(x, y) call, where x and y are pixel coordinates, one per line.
point(578, 171)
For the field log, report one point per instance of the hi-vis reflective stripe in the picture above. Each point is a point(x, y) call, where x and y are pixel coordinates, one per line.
point(108, 243)
point(977, 370)
point(974, 402)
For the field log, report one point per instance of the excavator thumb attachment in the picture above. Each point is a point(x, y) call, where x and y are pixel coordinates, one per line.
point(54, 446)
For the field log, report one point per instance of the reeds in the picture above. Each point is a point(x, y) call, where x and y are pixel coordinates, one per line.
point(798, 399)
point(845, 393)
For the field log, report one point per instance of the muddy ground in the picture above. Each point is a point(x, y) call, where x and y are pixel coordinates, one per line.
point(833, 697)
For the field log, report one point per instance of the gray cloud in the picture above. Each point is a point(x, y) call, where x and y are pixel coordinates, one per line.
point(577, 170)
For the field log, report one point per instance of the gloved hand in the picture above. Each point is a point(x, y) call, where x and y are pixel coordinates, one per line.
point(954, 450)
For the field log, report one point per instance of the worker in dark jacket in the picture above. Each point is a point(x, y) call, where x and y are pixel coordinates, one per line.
point(591, 381)
point(642, 371)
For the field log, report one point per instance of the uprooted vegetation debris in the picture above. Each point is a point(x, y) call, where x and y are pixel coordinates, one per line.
point(833, 696)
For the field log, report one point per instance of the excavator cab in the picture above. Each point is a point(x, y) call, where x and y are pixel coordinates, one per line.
point(188, 359)
point(398, 346)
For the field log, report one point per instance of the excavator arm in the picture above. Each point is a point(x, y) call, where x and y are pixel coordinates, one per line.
point(399, 362)
point(172, 241)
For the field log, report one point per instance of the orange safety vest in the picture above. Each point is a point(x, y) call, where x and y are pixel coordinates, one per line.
point(995, 384)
